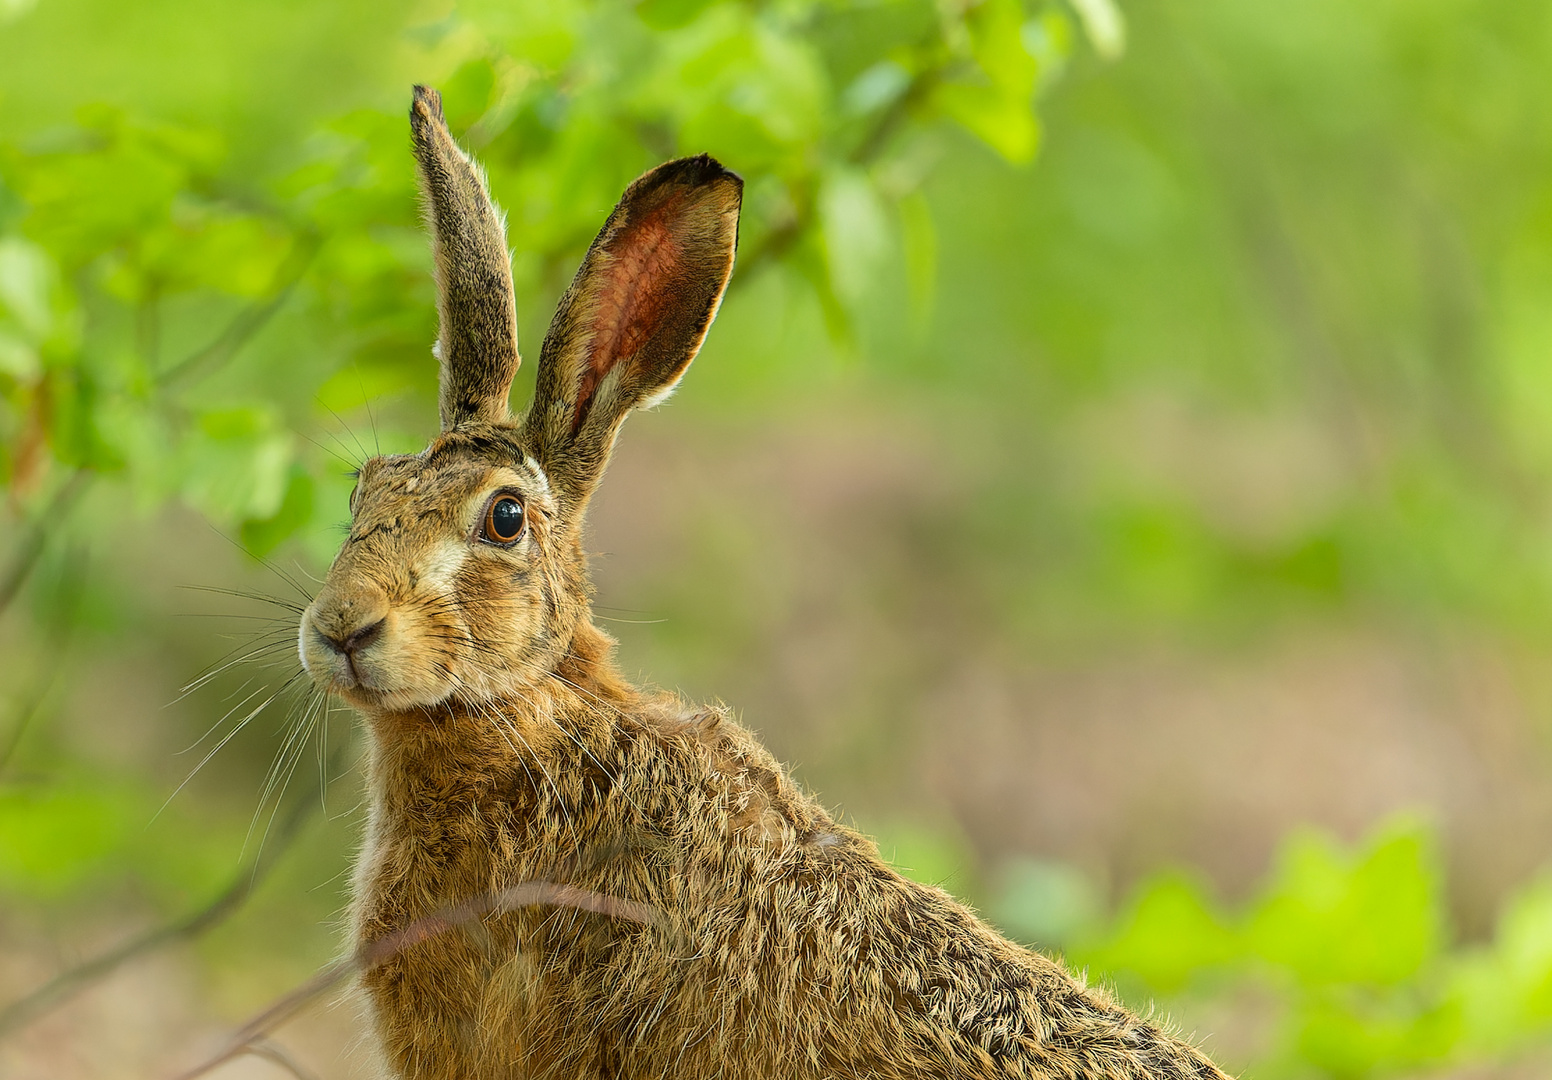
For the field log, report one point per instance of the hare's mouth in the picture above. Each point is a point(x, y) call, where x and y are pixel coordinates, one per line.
point(345, 659)
point(370, 667)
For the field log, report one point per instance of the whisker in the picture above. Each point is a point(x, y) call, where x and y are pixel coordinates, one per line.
point(286, 760)
point(306, 596)
point(224, 663)
point(348, 431)
point(228, 738)
point(378, 446)
point(213, 727)
point(347, 462)
point(263, 598)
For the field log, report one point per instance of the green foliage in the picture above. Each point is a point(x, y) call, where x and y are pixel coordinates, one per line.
point(88, 837)
point(139, 259)
point(1350, 944)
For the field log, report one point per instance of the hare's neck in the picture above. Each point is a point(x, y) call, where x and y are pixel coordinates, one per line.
point(466, 801)
point(430, 758)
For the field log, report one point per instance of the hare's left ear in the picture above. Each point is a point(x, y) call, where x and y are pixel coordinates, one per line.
point(635, 315)
point(477, 335)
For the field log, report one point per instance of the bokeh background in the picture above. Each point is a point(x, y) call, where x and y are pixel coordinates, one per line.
point(1120, 480)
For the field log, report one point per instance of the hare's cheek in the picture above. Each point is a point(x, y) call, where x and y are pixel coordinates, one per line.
point(438, 569)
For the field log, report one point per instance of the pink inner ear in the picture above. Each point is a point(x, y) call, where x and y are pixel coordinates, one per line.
point(634, 295)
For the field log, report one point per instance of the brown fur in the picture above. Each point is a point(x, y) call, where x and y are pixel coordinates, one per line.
point(505, 748)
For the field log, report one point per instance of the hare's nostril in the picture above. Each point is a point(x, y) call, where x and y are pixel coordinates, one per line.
point(364, 637)
point(356, 640)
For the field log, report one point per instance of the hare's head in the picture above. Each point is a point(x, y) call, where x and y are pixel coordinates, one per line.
point(463, 575)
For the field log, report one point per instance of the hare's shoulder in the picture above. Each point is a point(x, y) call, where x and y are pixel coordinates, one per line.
point(699, 768)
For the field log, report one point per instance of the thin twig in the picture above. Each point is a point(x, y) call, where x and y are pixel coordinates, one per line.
point(67, 984)
point(247, 322)
point(28, 550)
point(24, 718)
point(774, 244)
point(370, 955)
point(270, 1050)
point(872, 144)
point(56, 649)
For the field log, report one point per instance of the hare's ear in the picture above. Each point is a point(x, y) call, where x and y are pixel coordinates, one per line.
point(477, 335)
point(635, 315)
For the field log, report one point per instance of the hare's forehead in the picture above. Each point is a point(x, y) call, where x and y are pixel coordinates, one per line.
point(444, 482)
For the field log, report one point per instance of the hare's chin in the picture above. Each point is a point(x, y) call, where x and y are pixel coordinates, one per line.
point(374, 699)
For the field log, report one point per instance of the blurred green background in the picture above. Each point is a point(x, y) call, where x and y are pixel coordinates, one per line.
point(1120, 478)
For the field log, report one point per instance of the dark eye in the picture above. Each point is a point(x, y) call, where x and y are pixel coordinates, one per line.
point(503, 520)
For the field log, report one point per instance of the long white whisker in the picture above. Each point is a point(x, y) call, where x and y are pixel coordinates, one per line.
point(228, 738)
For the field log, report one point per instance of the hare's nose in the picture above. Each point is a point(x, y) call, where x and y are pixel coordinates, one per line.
point(349, 643)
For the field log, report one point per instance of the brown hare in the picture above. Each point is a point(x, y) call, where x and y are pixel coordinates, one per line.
point(506, 749)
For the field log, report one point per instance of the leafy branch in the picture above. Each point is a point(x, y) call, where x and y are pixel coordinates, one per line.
point(199, 364)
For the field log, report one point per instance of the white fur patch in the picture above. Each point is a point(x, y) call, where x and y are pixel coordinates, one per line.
point(301, 643)
point(657, 397)
point(440, 566)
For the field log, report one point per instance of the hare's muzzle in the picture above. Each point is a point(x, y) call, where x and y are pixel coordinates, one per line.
point(340, 633)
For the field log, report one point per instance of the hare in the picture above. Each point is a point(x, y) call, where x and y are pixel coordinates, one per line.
point(506, 749)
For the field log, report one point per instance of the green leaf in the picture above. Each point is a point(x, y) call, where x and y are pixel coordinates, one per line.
point(1505, 990)
point(1006, 124)
point(27, 277)
point(1374, 918)
point(670, 14)
point(855, 228)
point(998, 106)
point(1166, 934)
point(37, 312)
point(260, 536)
point(997, 42)
point(237, 464)
point(1105, 26)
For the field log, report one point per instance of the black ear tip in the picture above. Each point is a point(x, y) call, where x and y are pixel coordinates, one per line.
point(697, 171)
point(707, 169)
point(426, 107)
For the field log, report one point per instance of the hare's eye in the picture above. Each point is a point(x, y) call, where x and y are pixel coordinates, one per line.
point(503, 520)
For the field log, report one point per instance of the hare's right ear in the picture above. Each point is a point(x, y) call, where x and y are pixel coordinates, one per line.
point(634, 317)
point(477, 335)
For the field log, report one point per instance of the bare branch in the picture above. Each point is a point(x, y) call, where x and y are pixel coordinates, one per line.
point(256, 1032)
point(774, 244)
point(248, 322)
point(273, 1051)
point(27, 550)
point(67, 984)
